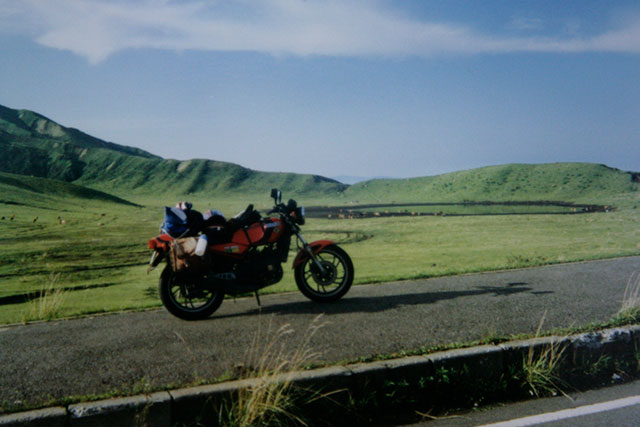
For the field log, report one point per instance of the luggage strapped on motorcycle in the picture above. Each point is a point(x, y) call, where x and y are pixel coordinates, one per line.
point(181, 223)
point(184, 224)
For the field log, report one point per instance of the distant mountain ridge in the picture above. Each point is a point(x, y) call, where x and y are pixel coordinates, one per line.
point(350, 179)
point(25, 124)
point(33, 145)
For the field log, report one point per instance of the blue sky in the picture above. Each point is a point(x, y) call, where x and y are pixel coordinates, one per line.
point(335, 87)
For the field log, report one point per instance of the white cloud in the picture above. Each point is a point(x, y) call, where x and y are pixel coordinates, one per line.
point(526, 24)
point(96, 29)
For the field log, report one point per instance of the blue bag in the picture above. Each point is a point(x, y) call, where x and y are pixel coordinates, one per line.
point(175, 222)
point(181, 223)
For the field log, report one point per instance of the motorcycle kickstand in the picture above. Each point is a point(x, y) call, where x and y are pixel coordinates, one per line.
point(258, 298)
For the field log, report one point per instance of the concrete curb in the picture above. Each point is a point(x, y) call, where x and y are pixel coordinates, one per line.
point(486, 363)
point(152, 409)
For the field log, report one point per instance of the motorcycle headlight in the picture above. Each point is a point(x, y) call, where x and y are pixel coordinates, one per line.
point(299, 214)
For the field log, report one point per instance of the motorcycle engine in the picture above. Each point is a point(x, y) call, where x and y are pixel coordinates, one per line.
point(262, 269)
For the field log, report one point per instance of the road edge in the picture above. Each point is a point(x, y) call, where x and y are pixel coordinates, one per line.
point(487, 362)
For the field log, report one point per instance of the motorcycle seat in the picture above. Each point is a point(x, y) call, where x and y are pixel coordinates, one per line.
point(244, 218)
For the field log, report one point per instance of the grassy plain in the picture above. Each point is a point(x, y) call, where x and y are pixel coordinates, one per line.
point(98, 255)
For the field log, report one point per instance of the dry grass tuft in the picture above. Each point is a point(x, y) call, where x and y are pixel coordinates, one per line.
point(631, 299)
point(270, 362)
point(49, 302)
point(541, 370)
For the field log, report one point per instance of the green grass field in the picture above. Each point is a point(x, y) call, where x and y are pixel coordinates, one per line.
point(97, 258)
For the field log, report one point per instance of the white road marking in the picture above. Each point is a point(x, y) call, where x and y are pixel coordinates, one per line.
point(569, 413)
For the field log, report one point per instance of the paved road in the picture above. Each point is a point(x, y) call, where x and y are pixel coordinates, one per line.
point(617, 406)
point(127, 350)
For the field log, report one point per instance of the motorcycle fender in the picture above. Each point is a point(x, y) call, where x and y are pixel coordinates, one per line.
point(316, 247)
point(160, 243)
point(156, 257)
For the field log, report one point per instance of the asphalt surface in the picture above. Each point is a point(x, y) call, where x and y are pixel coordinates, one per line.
point(127, 351)
point(617, 405)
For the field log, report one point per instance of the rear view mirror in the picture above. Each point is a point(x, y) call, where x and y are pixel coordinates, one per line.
point(276, 195)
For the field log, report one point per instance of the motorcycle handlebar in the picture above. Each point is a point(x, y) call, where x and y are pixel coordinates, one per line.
point(281, 208)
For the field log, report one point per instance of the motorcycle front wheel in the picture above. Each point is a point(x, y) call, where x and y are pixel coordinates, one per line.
point(185, 298)
point(333, 282)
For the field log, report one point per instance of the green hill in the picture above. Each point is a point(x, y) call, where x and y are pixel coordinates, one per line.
point(575, 182)
point(34, 145)
point(43, 193)
point(25, 125)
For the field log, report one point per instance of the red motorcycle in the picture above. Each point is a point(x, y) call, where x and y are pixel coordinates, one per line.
point(244, 255)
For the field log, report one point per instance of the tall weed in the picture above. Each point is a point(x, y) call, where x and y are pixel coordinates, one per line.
point(630, 308)
point(48, 303)
point(541, 369)
point(271, 400)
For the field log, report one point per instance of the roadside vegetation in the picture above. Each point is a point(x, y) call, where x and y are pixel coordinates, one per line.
point(47, 303)
point(630, 308)
point(271, 399)
point(541, 369)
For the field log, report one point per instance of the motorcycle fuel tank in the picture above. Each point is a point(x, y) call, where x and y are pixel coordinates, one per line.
point(268, 230)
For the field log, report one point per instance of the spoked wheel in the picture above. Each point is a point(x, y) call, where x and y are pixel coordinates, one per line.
point(332, 282)
point(183, 297)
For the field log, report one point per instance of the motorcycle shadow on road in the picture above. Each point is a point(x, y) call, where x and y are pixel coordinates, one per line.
point(379, 303)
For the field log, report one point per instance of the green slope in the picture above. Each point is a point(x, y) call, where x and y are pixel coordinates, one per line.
point(34, 145)
point(31, 144)
point(136, 176)
point(576, 182)
point(43, 193)
point(25, 125)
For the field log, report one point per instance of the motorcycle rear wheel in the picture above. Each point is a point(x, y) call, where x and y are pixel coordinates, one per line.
point(334, 283)
point(184, 298)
